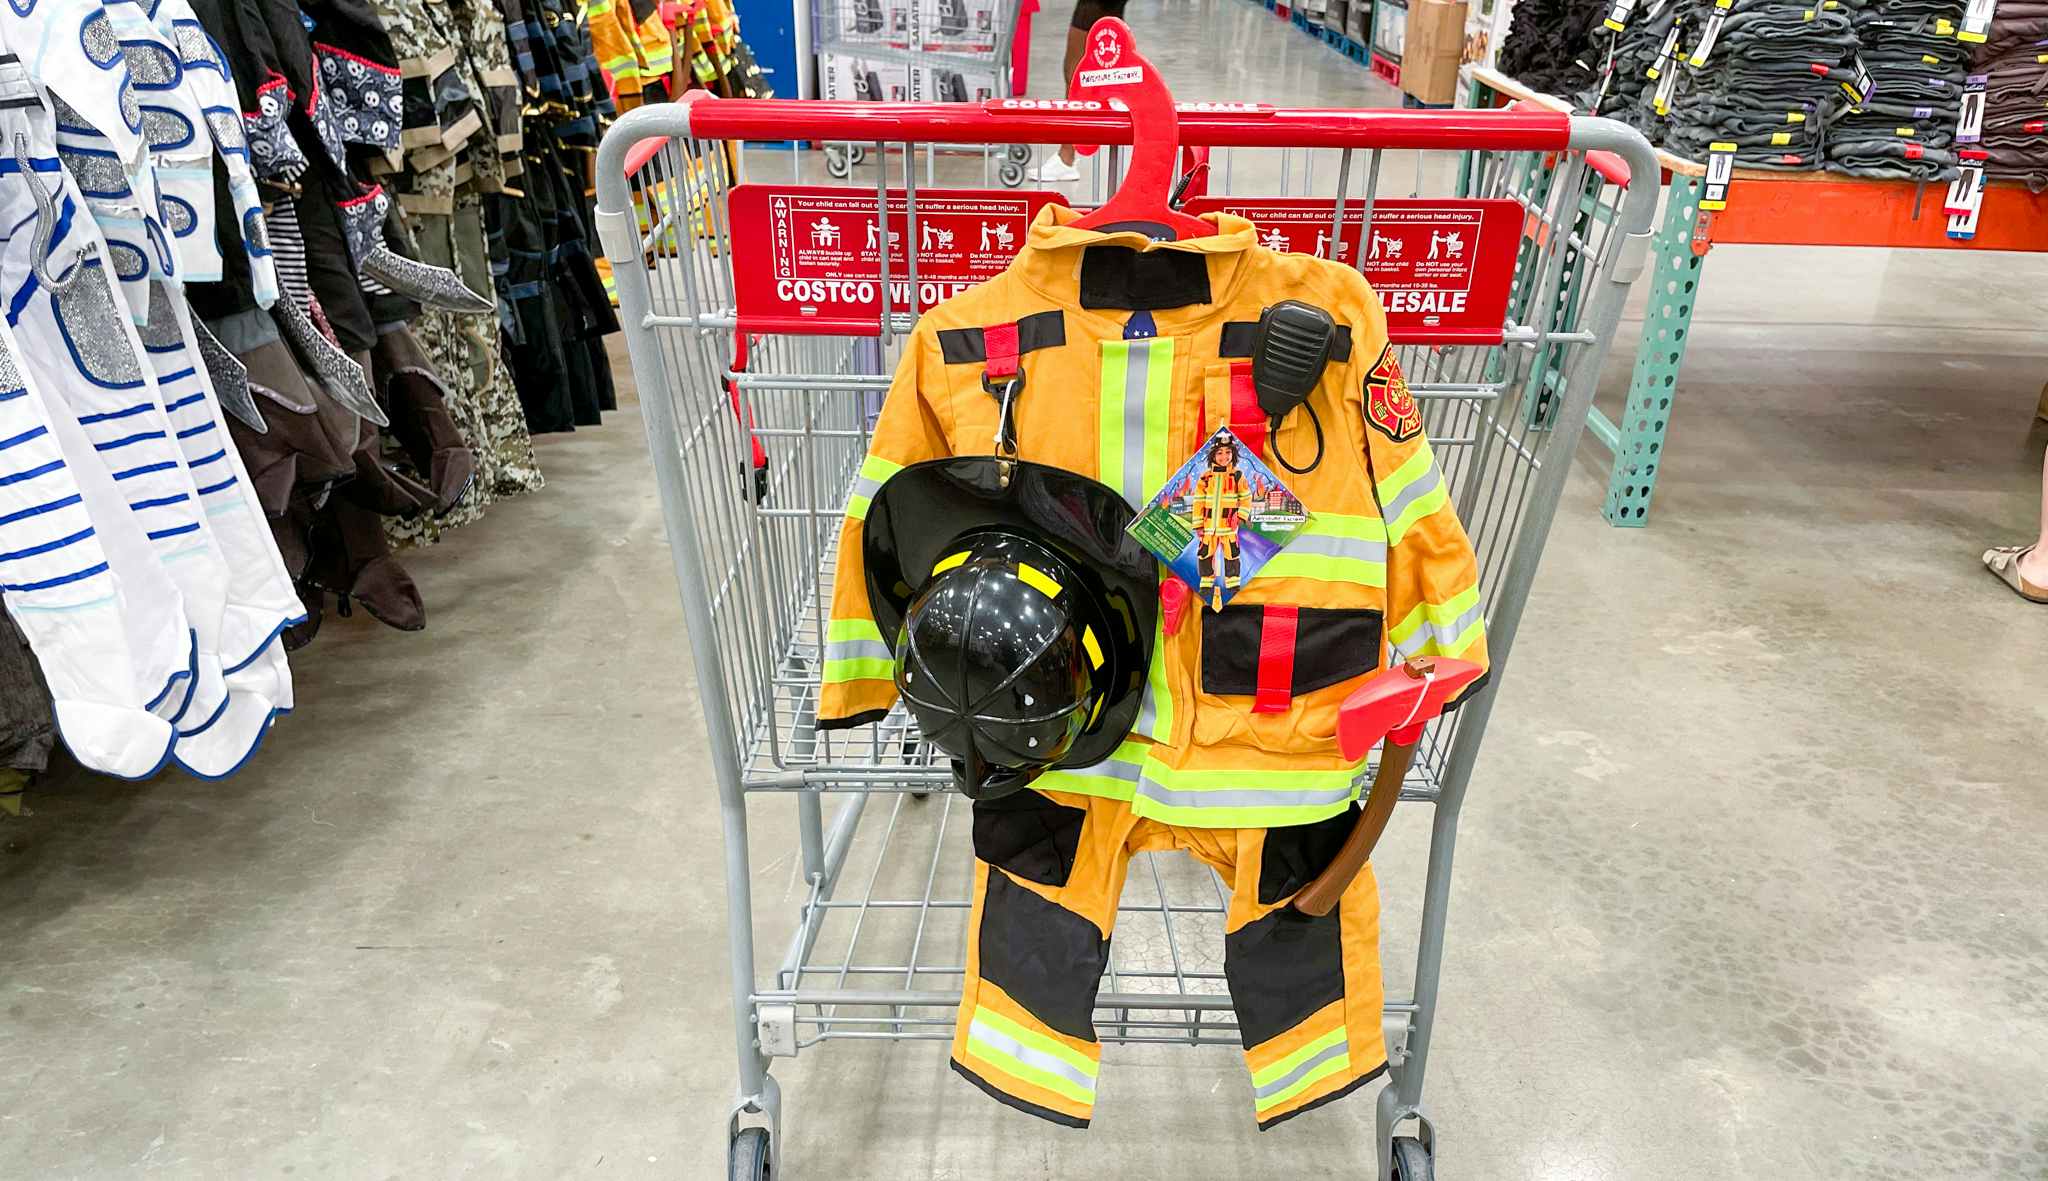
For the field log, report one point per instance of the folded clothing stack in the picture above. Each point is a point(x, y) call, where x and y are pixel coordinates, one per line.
point(2014, 62)
point(1769, 83)
point(1551, 47)
point(1905, 128)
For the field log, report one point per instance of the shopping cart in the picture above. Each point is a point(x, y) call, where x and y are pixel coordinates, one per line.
point(875, 953)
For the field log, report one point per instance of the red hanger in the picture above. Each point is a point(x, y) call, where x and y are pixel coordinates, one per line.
point(1112, 71)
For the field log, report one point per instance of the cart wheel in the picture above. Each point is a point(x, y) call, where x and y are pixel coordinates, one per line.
point(749, 1157)
point(1411, 1161)
point(1021, 153)
point(837, 164)
point(1012, 174)
point(859, 154)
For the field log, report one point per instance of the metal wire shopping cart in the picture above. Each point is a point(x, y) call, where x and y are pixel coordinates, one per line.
point(730, 389)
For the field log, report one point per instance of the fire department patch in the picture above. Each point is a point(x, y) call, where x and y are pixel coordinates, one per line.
point(1389, 407)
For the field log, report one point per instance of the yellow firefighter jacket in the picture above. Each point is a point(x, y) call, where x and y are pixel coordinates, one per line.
point(1384, 564)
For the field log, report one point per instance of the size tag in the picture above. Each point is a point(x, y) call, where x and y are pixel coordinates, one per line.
point(1806, 15)
point(1928, 59)
point(1977, 21)
point(1720, 176)
point(1663, 61)
point(1860, 85)
point(1971, 123)
point(1944, 27)
point(1707, 38)
point(1780, 138)
point(1795, 116)
point(1617, 14)
point(1966, 198)
point(1661, 100)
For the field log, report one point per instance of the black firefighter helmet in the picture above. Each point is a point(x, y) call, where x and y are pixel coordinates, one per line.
point(1020, 612)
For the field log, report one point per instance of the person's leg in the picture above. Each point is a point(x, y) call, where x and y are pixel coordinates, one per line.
point(1077, 40)
point(2034, 567)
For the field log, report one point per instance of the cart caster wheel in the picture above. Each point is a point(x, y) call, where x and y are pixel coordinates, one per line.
point(1011, 174)
point(749, 1157)
point(859, 154)
point(1020, 153)
point(1411, 1161)
point(837, 164)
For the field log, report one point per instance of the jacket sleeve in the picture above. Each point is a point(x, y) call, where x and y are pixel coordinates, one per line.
point(1433, 595)
point(859, 662)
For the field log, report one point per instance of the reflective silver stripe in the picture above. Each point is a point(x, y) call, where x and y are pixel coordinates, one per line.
point(1148, 716)
point(1159, 793)
point(1392, 510)
point(1445, 634)
point(864, 486)
point(1298, 1073)
point(1137, 380)
point(1029, 1056)
point(1112, 769)
point(1330, 546)
point(858, 650)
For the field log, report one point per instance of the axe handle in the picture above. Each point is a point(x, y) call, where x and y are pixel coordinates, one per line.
point(1320, 896)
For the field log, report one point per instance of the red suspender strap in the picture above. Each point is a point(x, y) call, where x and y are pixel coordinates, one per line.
point(999, 346)
point(1247, 421)
point(1276, 660)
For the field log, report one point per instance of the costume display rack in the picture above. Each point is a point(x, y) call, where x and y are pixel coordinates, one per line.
point(874, 948)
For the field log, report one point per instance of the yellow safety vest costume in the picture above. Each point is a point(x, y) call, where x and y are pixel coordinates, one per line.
point(1128, 350)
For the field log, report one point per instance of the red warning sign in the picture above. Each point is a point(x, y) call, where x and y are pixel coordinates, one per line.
point(1442, 268)
point(808, 258)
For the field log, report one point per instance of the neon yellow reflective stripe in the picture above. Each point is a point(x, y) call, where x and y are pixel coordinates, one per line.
point(1038, 580)
point(852, 629)
point(1240, 798)
point(1155, 709)
point(1336, 547)
point(1267, 1075)
point(861, 668)
point(1031, 1056)
point(947, 563)
point(1114, 778)
point(1440, 629)
point(1415, 490)
point(1094, 648)
point(1133, 414)
point(1331, 1060)
point(1038, 1041)
point(874, 471)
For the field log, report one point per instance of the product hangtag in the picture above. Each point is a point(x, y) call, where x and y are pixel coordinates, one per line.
point(1617, 14)
point(1977, 21)
point(1661, 101)
point(1219, 518)
point(1860, 85)
point(1970, 126)
point(1707, 38)
point(1663, 62)
point(1720, 175)
point(1965, 200)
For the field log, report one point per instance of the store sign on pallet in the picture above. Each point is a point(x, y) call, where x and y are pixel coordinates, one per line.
point(807, 258)
point(1443, 269)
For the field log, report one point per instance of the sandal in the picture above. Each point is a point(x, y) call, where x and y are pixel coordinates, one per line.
point(2004, 561)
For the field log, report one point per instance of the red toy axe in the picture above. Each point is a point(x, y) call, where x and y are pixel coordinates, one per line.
point(1395, 705)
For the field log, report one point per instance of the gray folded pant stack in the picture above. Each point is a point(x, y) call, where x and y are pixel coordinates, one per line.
point(1628, 91)
point(1769, 85)
point(2016, 93)
point(1905, 129)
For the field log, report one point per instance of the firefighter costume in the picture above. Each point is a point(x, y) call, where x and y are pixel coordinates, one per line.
point(1116, 356)
point(1218, 500)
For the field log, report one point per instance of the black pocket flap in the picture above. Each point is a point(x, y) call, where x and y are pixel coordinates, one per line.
point(1330, 645)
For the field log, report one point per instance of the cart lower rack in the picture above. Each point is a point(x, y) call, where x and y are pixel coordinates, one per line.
point(758, 421)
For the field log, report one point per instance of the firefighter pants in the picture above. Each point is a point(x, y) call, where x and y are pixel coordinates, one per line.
point(1049, 869)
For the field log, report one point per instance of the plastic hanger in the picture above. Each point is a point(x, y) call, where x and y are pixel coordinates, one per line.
point(1114, 73)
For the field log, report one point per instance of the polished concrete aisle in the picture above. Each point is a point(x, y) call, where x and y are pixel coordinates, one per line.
point(1749, 882)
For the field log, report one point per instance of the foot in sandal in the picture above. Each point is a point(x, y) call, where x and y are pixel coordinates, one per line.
point(2024, 568)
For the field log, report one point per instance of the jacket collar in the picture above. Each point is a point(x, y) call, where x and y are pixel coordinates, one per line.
point(1050, 262)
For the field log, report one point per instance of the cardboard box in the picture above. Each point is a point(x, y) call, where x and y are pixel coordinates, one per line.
point(1358, 22)
point(1433, 50)
point(849, 76)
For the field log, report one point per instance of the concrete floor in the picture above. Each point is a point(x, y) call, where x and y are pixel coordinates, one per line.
point(1749, 880)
